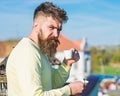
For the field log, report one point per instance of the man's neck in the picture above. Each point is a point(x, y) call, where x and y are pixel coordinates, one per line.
point(34, 38)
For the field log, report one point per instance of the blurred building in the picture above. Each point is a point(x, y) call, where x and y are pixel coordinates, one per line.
point(2, 49)
point(81, 68)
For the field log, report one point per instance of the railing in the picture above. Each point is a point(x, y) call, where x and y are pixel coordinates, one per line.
point(3, 85)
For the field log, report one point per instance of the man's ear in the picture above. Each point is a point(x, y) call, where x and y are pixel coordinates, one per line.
point(35, 26)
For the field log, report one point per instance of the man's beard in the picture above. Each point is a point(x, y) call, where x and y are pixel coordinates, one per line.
point(49, 46)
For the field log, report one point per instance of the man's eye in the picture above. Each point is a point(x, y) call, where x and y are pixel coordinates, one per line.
point(51, 27)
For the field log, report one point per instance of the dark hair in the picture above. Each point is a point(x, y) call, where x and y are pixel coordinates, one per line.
point(48, 9)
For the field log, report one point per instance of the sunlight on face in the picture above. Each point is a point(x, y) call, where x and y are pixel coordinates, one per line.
point(49, 27)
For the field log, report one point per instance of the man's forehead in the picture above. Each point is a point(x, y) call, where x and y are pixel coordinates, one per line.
point(54, 22)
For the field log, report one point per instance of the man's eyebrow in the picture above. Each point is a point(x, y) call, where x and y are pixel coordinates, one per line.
point(56, 27)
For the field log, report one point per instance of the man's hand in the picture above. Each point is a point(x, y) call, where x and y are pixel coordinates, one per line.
point(76, 87)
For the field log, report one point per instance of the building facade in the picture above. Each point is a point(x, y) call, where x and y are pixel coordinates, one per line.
point(82, 68)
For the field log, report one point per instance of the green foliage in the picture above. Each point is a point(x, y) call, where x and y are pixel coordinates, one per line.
point(108, 70)
point(116, 56)
point(102, 57)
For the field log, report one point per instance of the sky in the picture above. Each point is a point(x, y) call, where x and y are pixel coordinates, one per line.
point(96, 20)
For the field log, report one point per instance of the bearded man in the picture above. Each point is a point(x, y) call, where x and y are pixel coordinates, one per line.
point(29, 72)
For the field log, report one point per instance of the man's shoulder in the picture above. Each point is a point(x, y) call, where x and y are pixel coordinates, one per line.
point(25, 42)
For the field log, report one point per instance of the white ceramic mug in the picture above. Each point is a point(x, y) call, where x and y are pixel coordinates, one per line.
point(68, 54)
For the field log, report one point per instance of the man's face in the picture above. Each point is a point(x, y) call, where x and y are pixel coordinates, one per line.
point(48, 36)
point(50, 27)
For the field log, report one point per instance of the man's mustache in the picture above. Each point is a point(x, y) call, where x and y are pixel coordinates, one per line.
point(55, 39)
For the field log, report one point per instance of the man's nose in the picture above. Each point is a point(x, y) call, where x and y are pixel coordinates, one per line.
point(56, 33)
